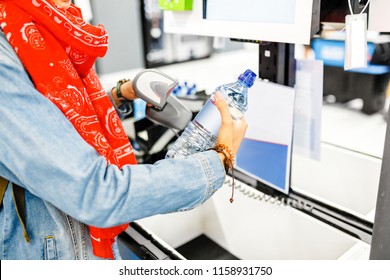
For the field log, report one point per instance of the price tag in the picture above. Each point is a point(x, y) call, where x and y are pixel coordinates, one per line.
point(355, 41)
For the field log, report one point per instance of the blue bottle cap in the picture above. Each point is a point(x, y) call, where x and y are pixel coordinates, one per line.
point(248, 78)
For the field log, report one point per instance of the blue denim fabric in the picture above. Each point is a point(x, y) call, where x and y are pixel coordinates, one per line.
point(69, 185)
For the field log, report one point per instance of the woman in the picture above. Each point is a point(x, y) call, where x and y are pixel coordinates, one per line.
point(69, 151)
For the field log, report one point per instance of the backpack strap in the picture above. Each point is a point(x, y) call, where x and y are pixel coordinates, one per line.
point(19, 201)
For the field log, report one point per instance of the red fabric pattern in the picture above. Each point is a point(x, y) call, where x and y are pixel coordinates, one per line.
point(58, 49)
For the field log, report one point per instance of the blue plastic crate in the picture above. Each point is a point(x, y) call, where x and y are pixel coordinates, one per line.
point(332, 53)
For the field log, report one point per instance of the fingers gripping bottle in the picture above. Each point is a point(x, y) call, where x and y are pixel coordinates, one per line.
point(201, 134)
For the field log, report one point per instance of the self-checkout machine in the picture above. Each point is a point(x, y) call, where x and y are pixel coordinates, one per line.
point(264, 221)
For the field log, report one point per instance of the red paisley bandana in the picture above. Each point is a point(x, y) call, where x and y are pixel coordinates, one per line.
point(58, 49)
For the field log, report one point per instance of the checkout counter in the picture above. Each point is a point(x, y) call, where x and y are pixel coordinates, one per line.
point(260, 225)
point(330, 211)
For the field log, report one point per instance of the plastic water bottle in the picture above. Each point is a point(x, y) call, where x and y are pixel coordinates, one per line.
point(201, 134)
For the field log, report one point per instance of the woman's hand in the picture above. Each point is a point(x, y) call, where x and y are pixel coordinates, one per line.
point(128, 91)
point(232, 132)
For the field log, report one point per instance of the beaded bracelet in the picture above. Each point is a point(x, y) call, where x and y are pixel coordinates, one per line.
point(228, 162)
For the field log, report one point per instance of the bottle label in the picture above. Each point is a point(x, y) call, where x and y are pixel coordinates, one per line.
point(209, 118)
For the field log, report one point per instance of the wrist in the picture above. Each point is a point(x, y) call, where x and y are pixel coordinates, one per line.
point(122, 91)
point(227, 158)
point(222, 158)
point(225, 155)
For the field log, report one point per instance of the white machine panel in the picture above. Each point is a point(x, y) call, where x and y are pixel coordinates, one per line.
point(290, 22)
point(379, 12)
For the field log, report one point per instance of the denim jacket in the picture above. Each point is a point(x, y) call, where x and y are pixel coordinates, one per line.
point(68, 185)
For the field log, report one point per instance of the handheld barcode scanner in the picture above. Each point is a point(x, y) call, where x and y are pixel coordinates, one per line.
point(155, 88)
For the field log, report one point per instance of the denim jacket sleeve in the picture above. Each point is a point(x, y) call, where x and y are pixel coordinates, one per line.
point(41, 151)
